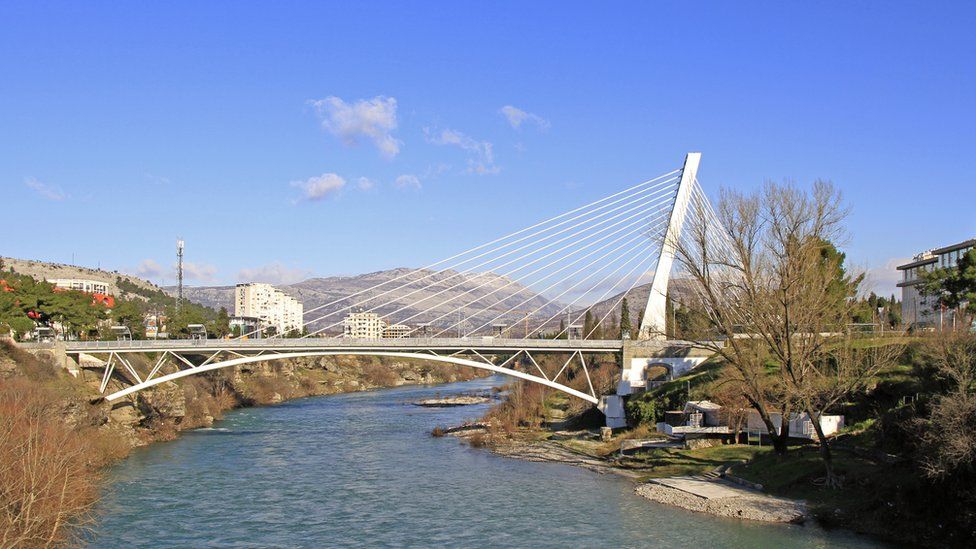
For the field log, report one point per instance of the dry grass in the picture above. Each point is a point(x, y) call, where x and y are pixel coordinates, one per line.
point(48, 481)
point(478, 440)
point(379, 375)
point(522, 408)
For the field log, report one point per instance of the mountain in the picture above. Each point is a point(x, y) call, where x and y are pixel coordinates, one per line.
point(422, 290)
point(636, 301)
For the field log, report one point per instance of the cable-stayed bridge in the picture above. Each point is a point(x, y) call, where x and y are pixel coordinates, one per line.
point(496, 306)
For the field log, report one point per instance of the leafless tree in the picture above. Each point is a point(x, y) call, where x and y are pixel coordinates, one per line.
point(47, 486)
point(948, 435)
point(771, 286)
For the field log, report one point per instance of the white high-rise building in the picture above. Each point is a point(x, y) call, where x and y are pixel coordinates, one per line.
point(363, 325)
point(269, 304)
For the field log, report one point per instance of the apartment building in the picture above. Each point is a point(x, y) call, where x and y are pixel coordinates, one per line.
point(80, 284)
point(394, 331)
point(270, 305)
point(363, 325)
point(920, 310)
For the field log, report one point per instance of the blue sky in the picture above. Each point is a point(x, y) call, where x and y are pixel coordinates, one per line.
point(246, 127)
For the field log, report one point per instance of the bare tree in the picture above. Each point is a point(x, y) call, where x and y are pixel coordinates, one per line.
point(47, 486)
point(947, 436)
point(777, 300)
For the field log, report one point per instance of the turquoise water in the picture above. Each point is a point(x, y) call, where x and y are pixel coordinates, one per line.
point(361, 469)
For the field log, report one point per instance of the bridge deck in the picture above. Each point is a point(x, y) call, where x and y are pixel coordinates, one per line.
point(481, 344)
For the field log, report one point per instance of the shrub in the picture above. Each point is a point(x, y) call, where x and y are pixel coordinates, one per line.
point(47, 482)
point(478, 440)
point(641, 410)
point(379, 375)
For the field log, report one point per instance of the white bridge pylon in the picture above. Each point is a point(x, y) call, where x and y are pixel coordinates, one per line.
point(593, 255)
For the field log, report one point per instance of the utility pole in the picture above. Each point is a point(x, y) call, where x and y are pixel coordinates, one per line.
point(179, 275)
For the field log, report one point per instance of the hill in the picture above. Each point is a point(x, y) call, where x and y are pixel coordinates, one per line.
point(133, 286)
point(466, 288)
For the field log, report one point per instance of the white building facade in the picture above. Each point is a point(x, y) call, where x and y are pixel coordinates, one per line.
point(270, 305)
point(363, 325)
point(80, 284)
point(920, 310)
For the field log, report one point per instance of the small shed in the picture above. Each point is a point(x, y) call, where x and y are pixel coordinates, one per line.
point(703, 413)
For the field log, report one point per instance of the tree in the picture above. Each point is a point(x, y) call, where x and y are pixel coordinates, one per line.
point(947, 438)
point(776, 294)
point(625, 327)
point(129, 314)
point(589, 326)
point(221, 325)
point(954, 287)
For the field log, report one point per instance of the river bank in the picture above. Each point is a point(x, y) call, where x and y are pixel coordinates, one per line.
point(85, 435)
point(356, 469)
point(704, 490)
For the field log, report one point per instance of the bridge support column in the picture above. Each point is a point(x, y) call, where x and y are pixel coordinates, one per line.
point(654, 322)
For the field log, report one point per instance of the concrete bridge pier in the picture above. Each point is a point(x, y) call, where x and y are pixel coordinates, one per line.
point(638, 357)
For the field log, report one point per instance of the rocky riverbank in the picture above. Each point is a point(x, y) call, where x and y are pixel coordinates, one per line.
point(723, 499)
point(161, 412)
point(453, 401)
point(708, 493)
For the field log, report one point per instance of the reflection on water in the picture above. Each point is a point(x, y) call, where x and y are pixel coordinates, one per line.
point(361, 469)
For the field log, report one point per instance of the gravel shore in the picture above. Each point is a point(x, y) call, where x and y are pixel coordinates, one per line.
point(744, 505)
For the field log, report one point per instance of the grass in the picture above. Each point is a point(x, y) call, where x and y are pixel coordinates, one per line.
point(669, 462)
point(797, 475)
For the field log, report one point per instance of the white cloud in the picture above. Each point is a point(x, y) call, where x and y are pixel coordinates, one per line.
point(199, 271)
point(434, 171)
point(516, 117)
point(149, 269)
point(157, 179)
point(320, 187)
point(481, 155)
point(365, 184)
point(407, 181)
point(49, 192)
point(883, 280)
point(203, 272)
point(373, 119)
point(273, 273)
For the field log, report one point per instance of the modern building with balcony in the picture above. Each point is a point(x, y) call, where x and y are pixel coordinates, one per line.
point(920, 310)
point(270, 305)
point(394, 331)
point(363, 325)
point(80, 284)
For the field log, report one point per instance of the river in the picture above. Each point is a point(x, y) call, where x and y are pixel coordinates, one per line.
point(361, 469)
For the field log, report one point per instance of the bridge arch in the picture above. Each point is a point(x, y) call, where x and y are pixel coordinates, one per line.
point(416, 356)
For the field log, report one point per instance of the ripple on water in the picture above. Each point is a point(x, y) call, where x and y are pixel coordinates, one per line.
point(361, 469)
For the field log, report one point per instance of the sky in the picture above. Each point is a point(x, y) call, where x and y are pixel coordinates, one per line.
point(283, 140)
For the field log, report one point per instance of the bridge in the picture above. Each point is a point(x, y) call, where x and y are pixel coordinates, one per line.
point(603, 249)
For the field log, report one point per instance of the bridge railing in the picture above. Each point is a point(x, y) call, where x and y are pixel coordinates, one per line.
point(392, 343)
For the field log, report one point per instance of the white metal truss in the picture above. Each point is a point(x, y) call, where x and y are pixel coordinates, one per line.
point(485, 359)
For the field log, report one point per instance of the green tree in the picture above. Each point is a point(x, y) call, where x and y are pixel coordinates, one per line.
point(625, 327)
point(953, 287)
point(130, 314)
point(589, 326)
point(221, 324)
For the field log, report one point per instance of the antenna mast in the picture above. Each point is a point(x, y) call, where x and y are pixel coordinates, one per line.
point(179, 275)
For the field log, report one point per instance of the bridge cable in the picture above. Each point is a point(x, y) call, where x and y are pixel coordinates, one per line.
point(495, 241)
